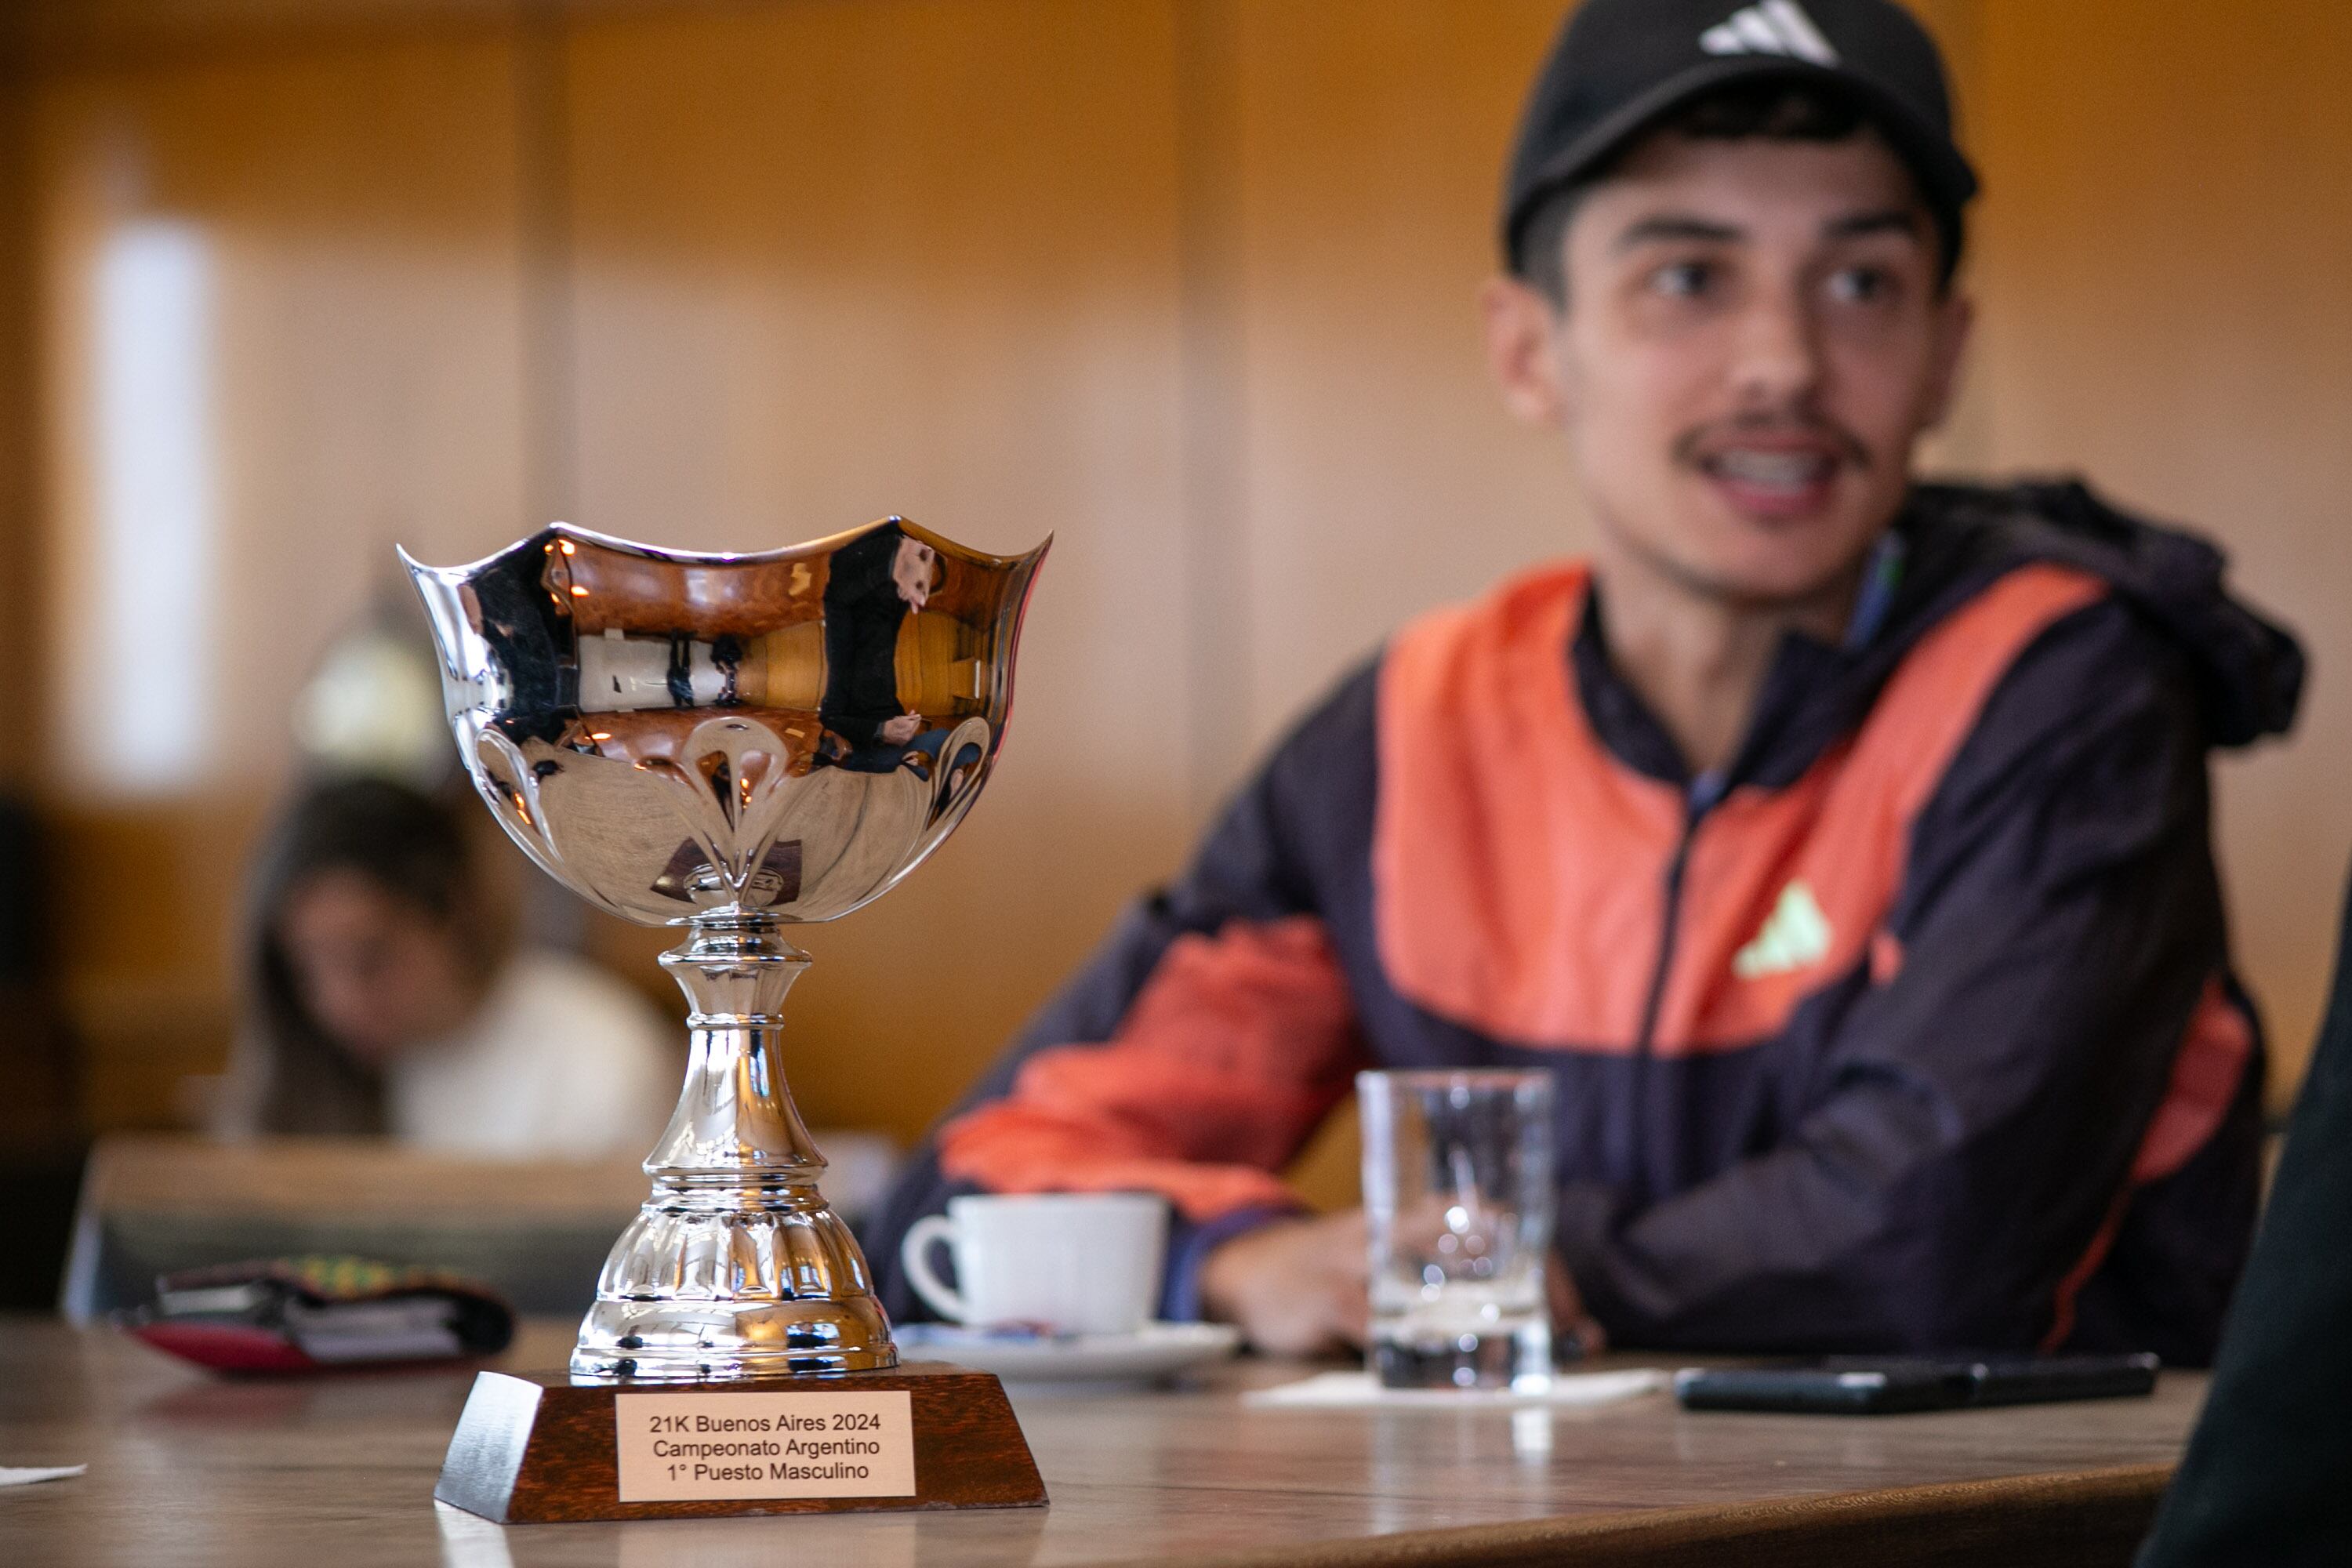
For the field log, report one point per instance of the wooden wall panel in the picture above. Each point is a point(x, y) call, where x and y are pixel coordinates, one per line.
point(1380, 474)
point(834, 260)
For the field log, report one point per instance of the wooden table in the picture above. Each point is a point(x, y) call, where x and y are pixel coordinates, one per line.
point(186, 1469)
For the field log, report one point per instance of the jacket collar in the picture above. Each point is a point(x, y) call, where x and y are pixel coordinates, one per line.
point(1799, 709)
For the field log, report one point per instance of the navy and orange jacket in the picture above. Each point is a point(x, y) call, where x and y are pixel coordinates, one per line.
point(1915, 1027)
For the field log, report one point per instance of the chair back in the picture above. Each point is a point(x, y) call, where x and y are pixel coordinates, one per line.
point(535, 1231)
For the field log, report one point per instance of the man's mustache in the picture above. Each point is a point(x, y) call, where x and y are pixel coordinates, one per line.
point(1691, 443)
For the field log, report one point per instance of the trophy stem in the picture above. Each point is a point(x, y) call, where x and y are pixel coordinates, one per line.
point(735, 1123)
point(736, 1267)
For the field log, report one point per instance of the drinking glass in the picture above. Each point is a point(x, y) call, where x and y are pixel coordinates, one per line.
point(1458, 1201)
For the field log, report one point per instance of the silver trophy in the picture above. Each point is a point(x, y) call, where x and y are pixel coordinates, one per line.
point(733, 744)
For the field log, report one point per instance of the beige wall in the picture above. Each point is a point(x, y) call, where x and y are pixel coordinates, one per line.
point(1187, 282)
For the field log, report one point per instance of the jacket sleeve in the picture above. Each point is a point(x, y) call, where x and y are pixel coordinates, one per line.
point(2042, 1028)
point(1193, 1055)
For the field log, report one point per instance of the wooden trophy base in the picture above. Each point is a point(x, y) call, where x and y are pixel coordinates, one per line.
point(535, 1448)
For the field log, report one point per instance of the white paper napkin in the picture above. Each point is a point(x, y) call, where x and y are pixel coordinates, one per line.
point(1341, 1390)
point(25, 1477)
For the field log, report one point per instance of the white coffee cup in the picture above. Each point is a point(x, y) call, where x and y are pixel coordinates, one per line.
point(1086, 1263)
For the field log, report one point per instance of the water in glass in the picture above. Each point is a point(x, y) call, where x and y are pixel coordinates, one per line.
point(1458, 1198)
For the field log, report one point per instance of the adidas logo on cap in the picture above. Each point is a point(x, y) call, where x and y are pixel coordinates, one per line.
point(1771, 28)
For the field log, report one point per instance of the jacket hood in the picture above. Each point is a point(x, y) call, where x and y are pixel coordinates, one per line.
point(2249, 669)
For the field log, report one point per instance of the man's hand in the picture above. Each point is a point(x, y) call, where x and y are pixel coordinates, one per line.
point(1298, 1287)
point(1294, 1286)
point(899, 731)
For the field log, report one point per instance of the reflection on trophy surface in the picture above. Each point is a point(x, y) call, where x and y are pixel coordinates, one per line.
point(731, 743)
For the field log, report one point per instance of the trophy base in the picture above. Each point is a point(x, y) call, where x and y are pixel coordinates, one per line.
point(537, 1447)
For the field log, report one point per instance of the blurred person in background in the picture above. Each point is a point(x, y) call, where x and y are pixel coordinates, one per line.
point(385, 994)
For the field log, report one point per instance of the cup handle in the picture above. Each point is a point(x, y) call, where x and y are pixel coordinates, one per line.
point(915, 1252)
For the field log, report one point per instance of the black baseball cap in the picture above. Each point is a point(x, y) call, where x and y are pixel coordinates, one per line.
point(1619, 65)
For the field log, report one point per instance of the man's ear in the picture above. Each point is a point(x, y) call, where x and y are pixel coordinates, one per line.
point(1957, 318)
point(1521, 323)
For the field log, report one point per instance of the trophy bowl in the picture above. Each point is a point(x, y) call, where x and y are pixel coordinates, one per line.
point(732, 744)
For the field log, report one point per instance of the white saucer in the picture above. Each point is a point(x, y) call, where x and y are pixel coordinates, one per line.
point(1153, 1351)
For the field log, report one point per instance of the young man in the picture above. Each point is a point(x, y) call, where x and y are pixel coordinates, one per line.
point(1840, 842)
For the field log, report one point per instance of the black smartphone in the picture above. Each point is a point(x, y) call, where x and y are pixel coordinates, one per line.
point(1887, 1386)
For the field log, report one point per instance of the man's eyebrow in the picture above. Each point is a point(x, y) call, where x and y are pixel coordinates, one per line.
point(1676, 226)
point(1887, 220)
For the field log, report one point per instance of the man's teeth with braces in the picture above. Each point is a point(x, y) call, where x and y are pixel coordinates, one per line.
point(1789, 469)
